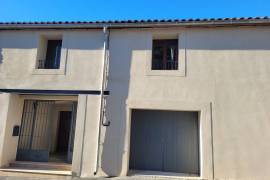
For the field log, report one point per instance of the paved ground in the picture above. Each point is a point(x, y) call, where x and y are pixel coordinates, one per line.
point(61, 178)
point(69, 178)
point(57, 178)
point(29, 176)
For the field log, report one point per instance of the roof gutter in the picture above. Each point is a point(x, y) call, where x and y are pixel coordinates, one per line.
point(194, 23)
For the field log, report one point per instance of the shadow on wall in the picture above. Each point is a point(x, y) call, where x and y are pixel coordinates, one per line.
point(1, 56)
point(118, 85)
point(228, 39)
point(83, 40)
point(121, 60)
point(18, 40)
point(198, 39)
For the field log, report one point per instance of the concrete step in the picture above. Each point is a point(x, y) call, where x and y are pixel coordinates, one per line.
point(34, 173)
point(40, 165)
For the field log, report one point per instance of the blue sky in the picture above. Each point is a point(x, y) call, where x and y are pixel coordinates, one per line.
point(89, 10)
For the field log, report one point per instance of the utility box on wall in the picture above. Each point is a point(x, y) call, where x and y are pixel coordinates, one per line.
point(16, 130)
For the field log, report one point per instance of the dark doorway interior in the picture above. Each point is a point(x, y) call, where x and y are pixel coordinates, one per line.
point(63, 132)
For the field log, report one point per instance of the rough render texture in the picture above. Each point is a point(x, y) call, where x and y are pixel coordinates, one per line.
point(10, 114)
point(228, 67)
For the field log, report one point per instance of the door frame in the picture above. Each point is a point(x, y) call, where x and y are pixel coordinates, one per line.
point(205, 130)
point(46, 98)
point(71, 133)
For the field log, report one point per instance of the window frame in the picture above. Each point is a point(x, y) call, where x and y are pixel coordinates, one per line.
point(164, 44)
point(181, 36)
point(42, 39)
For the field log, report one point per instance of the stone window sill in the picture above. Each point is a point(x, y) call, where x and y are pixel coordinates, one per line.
point(48, 72)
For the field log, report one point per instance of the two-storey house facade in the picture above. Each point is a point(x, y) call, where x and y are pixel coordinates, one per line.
point(185, 98)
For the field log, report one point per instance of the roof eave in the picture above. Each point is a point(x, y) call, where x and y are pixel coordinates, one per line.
point(219, 23)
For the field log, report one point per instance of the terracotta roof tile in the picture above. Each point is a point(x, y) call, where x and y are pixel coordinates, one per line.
point(248, 20)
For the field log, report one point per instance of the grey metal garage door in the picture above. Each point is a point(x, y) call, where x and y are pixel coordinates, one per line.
point(165, 141)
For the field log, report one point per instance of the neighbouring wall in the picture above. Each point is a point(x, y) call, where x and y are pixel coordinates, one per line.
point(11, 112)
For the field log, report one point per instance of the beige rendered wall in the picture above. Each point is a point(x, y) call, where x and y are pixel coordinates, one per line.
point(11, 111)
point(225, 67)
point(4, 104)
point(82, 51)
point(86, 135)
point(226, 70)
point(81, 54)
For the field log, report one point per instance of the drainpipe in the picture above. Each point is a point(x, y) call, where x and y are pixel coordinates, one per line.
point(105, 66)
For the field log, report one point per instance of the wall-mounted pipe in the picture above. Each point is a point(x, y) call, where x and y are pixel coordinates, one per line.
point(104, 78)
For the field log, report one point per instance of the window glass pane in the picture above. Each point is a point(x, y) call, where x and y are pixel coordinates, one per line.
point(53, 54)
point(165, 54)
point(158, 53)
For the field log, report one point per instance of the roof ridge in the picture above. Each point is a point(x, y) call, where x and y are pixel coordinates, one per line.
point(214, 22)
point(137, 20)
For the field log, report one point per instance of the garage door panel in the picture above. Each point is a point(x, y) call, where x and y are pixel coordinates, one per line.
point(153, 141)
point(187, 144)
point(170, 150)
point(165, 141)
point(147, 139)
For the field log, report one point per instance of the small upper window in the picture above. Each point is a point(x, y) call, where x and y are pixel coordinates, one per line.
point(53, 55)
point(165, 54)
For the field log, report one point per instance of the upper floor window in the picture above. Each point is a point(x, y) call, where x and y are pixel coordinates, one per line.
point(51, 60)
point(165, 54)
